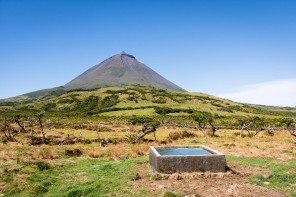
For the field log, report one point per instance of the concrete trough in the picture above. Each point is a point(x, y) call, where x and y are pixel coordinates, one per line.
point(166, 159)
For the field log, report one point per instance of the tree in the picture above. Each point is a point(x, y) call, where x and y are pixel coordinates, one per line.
point(244, 123)
point(17, 119)
point(4, 127)
point(212, 122)
point(149, 125)
point(258, 125)
point(40, 119)
point(202, 119)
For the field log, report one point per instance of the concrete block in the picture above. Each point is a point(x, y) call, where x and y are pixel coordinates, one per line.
point(214, 162)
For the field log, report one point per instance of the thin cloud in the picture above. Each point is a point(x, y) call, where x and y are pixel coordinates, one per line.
point(276, 93)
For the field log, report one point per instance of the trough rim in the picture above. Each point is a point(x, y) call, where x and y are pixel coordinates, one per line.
point(206, 148)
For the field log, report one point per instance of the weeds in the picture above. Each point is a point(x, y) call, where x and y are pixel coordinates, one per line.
point(170, 194)
point(73, 153)
point(156, 177)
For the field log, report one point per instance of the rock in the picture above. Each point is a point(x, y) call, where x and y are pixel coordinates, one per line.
point(162, 186)
point(256, 180)
point(207, 174)
point(267, 175)
point(231, 190)
point(266, 183)
point(220, 175)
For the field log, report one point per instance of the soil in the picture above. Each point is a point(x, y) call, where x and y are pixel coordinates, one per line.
point(2, 186)
point(232, 183)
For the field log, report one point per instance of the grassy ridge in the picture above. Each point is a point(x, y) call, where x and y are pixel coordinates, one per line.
point(140, 100)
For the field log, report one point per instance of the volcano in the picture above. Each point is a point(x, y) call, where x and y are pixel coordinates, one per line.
point(118, 71)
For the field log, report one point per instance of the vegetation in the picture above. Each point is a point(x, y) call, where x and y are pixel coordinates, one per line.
point(127, 99)
point(148, 126)
point(117, 125)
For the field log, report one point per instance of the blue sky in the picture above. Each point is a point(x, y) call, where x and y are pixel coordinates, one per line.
point(228, 48)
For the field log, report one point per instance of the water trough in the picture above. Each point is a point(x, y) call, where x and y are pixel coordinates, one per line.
point(186, 158)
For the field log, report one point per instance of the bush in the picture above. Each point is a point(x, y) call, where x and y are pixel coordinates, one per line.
point(180, 135)
point(49, 107)
point(39, 189)
point(74, 193)
point(160, 100)
point(156, 177)
point(42, 165)
point(170, 194)
point(73, 153)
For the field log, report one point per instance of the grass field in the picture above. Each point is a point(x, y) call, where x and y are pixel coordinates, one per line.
point(123, 170)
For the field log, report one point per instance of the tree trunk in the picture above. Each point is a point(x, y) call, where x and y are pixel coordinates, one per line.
point(21, 128)
point(241, 133)
point(202, 129)
point(214, 130)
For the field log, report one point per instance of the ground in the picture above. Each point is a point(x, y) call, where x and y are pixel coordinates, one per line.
point(229, 184)
point(122, 169)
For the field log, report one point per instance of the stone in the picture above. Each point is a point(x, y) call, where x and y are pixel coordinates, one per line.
point(256, 180)
point(266, 183)
point(267, 175)
point(220, 175)
point(162, 186)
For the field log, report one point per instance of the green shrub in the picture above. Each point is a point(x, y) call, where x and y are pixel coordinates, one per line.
point(160, 100)
point(39, 189)
point(156, 177)
point(73, 152)
point(170, 194)
point(42, 165)
point(74, 193)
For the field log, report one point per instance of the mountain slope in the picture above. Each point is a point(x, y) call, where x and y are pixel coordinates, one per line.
point(118, 71)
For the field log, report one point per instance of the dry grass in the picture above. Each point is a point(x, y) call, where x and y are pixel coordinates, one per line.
point(263, 145)
point(94, 152)
point(44, 154)
point(7, 154)
point(119, 151)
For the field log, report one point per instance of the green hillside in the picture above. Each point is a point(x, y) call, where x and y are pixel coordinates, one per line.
point(32, 96)
point(140, 100)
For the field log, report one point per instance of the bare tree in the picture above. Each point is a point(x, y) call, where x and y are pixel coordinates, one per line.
point(40, 119)
point(245, 123)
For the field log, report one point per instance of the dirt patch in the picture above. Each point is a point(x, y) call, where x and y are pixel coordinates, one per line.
point(244, 171)
point(2, 185)
point(231, 184)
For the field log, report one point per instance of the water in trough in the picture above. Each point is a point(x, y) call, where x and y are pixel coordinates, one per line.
point(182, 151)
